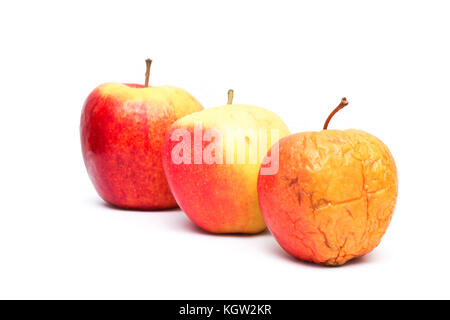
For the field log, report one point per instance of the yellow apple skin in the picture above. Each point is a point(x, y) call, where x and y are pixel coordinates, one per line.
point(222, 198)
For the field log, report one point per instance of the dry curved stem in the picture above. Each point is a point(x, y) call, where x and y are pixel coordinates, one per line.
point(343, 103)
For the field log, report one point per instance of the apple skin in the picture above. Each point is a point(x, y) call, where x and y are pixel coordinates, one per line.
point(220, 198)
point(333, 196)
point(122, 130)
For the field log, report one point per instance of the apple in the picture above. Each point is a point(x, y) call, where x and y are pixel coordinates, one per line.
point(122, 131)
point(333, 196)
point(211, 160)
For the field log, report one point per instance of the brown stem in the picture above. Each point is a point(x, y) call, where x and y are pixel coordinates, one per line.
point(341, 105)
point(230, 96)
point(148, 63)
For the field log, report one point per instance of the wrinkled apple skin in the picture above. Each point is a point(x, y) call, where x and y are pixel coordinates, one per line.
point(122, 130)
point(333, 197)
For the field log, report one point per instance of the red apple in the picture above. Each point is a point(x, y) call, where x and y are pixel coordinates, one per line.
point(122, 131)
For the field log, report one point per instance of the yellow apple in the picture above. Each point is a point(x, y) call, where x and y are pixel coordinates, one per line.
point(212, 158)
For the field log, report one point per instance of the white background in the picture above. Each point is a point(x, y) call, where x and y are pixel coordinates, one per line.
point(58, 239)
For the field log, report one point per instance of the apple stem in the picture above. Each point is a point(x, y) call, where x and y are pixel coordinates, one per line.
point(230, 96)
point(148, 63)
point(341, 105)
